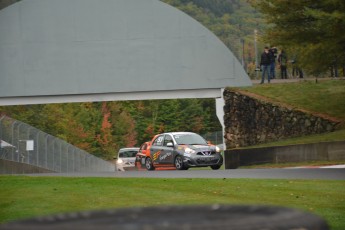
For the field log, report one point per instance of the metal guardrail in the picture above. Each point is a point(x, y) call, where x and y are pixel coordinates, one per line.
point(23, 143)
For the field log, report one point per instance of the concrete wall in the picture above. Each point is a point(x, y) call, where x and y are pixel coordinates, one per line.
point(11, 167)
point(325, 151)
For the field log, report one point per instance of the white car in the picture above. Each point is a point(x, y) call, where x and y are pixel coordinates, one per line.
point(126, 159)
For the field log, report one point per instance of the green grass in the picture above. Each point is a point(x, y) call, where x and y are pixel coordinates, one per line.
point(326, 97)
point(338, 135)
point(295, 164)
point(25, 197)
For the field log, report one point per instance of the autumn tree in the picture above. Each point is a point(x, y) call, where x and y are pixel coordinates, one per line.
point(123, 130)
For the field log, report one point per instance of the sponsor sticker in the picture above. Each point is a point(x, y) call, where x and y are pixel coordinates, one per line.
point(165, 156)
point(156, 155)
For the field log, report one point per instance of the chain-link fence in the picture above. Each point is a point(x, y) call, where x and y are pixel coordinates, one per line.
point(25, 144)
point(215, 138)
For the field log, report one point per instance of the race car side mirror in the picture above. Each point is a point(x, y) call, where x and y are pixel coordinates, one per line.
point(170, 144)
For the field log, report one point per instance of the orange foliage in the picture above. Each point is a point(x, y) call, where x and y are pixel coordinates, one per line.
point(104, 138)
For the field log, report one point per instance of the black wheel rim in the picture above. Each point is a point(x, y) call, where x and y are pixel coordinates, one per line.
point(148, 163)
point(178, 162)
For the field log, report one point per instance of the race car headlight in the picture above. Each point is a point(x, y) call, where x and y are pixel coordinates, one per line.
point(186, 155)
point(119, 161)
point(189, 150)
point(217, 149)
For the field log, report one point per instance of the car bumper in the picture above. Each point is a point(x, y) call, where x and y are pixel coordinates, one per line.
point(203, 161)
point(125, 167)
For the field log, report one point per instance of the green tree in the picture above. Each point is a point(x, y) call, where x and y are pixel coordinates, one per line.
point(169, 116)
point(314, 29)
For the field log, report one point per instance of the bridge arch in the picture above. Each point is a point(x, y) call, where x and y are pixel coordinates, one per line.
point(86, 50)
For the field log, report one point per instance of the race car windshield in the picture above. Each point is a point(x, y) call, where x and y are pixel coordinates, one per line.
point(189, 139)
point(127, 154)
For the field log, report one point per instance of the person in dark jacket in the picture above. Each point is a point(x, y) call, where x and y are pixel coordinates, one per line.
point(296, 70)
point(273, 52)
point(265, 64)
point(283, 60)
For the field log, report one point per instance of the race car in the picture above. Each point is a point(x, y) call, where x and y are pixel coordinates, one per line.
point(141, 155)
point(125, 158)
point(181, 150)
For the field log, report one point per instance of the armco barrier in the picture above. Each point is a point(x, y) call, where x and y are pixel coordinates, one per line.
point(323, 151)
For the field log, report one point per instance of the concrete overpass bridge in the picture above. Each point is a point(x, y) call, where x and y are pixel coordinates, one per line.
point(60, 51)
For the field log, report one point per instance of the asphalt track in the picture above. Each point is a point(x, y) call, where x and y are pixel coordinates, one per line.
point(286, 173)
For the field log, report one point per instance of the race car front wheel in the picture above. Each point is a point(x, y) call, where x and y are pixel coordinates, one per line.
point(149, 165)
point(179, 163)
point(215, 167)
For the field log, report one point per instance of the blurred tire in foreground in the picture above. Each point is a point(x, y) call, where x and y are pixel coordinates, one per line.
point(178, 217)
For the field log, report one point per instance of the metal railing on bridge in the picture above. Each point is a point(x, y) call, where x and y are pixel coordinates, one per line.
point(25, 144)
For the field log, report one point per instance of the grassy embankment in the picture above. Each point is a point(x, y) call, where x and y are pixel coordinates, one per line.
point(325, 98)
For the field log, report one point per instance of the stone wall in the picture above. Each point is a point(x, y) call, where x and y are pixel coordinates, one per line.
point(250, 121)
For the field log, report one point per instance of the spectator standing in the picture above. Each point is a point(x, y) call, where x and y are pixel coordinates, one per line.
point(282, 60)
point(273, 52)
point(265, 63)
point(296, 70)
point(334, 69)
